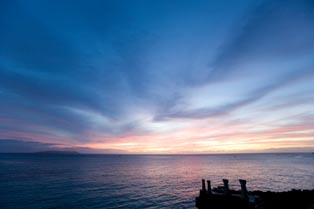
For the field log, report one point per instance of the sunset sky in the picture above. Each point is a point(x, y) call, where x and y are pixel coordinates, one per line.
point(157, 76)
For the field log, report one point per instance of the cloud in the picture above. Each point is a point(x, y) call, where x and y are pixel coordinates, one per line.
point(85, 72)
point(48, 71)
point(275, 31)
point(225, 109)
point(273, 42)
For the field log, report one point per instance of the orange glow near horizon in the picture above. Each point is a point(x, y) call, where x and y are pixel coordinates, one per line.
point(210, 135)
point(213, 135)
point(223, 140)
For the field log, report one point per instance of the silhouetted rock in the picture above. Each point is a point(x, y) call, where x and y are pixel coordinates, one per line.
point(219, 199)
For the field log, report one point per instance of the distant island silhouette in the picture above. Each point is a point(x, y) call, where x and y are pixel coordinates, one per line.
point(58, 152)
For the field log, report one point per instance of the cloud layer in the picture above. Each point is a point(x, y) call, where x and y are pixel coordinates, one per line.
point(172, 77)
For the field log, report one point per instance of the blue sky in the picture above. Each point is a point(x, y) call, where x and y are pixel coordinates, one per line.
point(157, 76)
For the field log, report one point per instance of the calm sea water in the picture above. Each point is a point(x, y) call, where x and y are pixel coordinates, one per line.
point(137, 181)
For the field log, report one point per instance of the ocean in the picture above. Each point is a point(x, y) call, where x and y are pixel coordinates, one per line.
point(31, 181)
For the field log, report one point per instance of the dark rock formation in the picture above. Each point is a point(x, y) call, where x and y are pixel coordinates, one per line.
point(224, 198)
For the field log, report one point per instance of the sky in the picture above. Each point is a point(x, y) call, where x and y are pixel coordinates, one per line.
point(157, 77)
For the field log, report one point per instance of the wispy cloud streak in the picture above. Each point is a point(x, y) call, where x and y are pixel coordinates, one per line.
point(136, 76)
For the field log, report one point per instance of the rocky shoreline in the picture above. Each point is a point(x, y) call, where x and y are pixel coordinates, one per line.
point(224, 198)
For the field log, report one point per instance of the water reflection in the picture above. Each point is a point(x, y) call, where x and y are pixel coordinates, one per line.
point(130, 181)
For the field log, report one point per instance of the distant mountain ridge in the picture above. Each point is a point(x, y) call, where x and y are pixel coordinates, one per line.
point(23, 146)
point(57, 152)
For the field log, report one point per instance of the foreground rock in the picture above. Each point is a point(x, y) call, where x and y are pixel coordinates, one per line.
point(224, 198)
